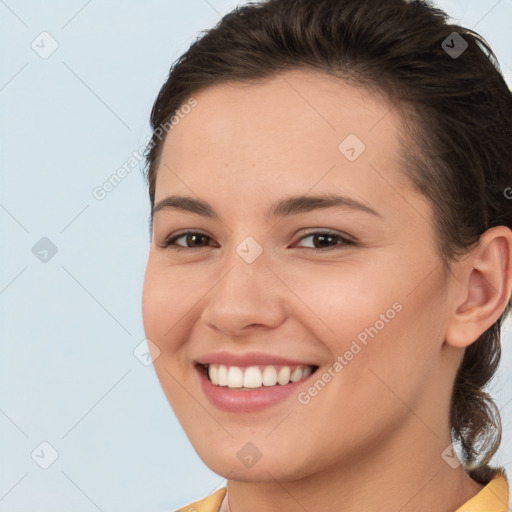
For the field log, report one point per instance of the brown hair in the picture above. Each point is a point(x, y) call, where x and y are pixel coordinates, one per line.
point(457, 149)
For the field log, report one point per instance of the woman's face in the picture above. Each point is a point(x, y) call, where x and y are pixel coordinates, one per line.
point(265, 286)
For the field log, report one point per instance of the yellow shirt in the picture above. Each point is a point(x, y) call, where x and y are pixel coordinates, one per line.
point(492, 498)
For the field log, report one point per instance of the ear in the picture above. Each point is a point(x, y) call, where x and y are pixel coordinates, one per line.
point(484, 286)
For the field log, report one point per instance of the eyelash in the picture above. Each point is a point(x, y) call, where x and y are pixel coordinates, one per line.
point(170, 242)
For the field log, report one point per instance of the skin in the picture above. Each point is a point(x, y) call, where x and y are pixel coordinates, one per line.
point(372, 439)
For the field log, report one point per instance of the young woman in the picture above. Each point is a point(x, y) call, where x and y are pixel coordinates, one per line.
point(330, 267)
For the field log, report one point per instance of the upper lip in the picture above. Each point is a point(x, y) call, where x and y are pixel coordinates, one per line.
point(248, 359)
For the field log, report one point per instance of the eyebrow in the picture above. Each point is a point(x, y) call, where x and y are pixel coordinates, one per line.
point(289, 206)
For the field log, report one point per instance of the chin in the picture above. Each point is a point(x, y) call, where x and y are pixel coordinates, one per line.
point(269, 467)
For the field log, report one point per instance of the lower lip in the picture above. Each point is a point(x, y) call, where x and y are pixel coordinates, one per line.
point(235, 400)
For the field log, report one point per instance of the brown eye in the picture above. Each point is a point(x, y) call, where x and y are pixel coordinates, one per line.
point(327, 240)
point(193, 239)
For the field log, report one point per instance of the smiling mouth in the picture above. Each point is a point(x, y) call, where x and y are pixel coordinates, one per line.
point(250, 378)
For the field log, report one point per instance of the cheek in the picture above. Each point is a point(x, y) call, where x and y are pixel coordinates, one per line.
point(171, 305)
point(342, 300)
point(167, 298)
point(164, 303)
point(153, 314)
point(383, 361)
point(383, 324)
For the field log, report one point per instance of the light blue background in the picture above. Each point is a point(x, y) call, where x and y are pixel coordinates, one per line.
point(69, 326)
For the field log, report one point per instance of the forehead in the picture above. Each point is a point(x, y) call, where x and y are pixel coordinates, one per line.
point(297, 104)
point(289, 133)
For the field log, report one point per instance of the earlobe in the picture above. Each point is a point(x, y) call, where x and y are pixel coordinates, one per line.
point(486, 281)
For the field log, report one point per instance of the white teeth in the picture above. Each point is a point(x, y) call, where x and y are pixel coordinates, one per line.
point(296, 374)
point(283, 377)
point(269, 376)
point(235, 377)
point(213, 373)
point(252, 377)
point(222, 375)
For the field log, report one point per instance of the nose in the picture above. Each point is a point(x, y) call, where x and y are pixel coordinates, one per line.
point(248, 296)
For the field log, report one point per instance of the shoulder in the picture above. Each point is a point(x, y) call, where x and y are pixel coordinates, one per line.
point(211, 503)
point(494, 497)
